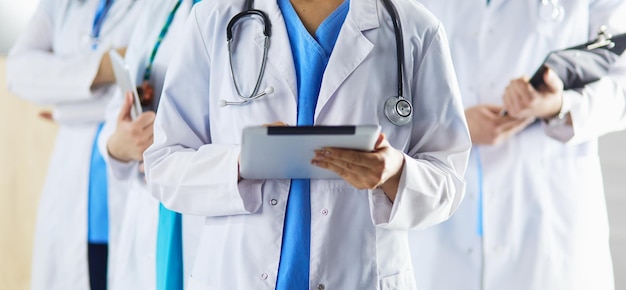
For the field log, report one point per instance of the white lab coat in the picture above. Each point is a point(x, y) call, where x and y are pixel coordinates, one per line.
point(137, 241)
point(53, 64)
point(358, 237)
point(545, 220)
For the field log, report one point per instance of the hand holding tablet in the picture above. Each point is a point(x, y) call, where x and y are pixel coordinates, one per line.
point(287, 152)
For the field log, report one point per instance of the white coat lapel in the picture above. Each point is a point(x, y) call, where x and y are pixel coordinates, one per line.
point(351, 48)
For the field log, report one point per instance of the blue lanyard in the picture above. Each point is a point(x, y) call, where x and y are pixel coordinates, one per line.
point(101, 13)
point(157, 45)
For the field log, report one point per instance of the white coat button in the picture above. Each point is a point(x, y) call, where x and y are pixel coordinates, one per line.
point(273, 202)
point(264, 276)
point(321, 287)
point(324, 212)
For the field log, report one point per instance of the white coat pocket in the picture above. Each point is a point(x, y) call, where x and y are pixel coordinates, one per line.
point(401, 281)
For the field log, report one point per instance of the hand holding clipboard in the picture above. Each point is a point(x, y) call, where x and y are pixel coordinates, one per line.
point(580, 65)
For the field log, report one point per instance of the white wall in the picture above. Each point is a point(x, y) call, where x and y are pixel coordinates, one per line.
point(613, 156)
point(13, 16)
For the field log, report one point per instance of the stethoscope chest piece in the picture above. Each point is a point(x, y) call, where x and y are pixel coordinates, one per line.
point(398, 110)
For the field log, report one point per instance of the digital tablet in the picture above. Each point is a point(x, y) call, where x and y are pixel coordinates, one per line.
point(125, 81)
point(286, 152)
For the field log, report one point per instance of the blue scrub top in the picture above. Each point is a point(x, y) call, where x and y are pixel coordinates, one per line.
point(311, 55)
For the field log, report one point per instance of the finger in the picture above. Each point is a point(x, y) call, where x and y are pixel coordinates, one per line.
point(148, 140)
point(276, 124)
point(46, 115)
point(380, 141)
point(514, 95)
point(144, 120)
point(493, 111)
point(526, 94)
point(332, 167)
point(149, 128)
point(514, 126)
point(501, 117)
point(124, 114)
point(552, 81)
point(506, 100)
point(523, 95)
point(347, 155)
point(351, 173)
point(361, 177)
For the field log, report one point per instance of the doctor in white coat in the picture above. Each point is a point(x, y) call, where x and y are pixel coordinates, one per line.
point(358, 237)
point(156, 37)
point(56, 63)
point(534, 217)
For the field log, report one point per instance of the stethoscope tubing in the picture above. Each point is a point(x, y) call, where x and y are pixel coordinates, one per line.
point(397, 27)
point(229, 39)
point(397, 109)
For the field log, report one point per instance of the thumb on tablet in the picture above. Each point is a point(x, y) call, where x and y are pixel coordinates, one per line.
point(276, 124)
point(381, 142)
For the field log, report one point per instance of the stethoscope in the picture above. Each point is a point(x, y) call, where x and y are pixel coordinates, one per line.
point(398, 109)
point(551, 10)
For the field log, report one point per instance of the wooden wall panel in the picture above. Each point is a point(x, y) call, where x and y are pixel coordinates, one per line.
point(26, 143)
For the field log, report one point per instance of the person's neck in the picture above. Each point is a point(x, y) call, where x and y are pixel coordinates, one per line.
point(313, 12)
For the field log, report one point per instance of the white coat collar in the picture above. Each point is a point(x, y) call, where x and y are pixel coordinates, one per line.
point(351, 48)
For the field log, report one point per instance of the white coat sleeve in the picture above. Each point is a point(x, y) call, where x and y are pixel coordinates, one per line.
point(185, 171)
point(431, 185)
point(600, 107)
point(37, 73)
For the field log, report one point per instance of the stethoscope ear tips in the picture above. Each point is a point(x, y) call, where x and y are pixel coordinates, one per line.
point(223, 103)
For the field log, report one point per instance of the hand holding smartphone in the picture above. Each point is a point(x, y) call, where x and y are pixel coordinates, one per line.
point(125, 81)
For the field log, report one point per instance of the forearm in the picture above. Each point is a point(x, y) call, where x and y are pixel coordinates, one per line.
point(45, 78)
point(427, 194)
point(598, 109)
point(201, 182)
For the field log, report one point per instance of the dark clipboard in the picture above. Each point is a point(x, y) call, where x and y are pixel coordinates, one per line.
point(580, 65)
